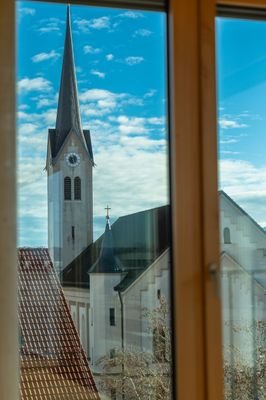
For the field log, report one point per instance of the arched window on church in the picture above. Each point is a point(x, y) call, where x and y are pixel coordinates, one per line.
point(227, 236)
point(67, 188)
point(77, 188)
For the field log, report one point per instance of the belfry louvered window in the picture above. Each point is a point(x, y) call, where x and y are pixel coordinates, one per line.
point(77, 188)
point(67, 188)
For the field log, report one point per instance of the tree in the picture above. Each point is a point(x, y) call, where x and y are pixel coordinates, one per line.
point(245, 380)
point(134, 374)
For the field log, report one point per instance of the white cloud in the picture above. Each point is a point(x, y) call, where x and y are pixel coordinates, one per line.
point(98, 73)
point(150, 93)
point(50, 117)
point(107, 103)
point(45, 102)
point(27, 128)
point(246, 184)
point(91, 50)
point(230, 124)
point(100, 23)
point(23, 106)
point(142, 142)
point(156, 120)
point(34, 84)
point(100, 102)
point(84, 25)
point(228, 141)
point(143, 32)
point(133, 60)
point(109, 57)
point(23, 11)
point(49, 29)
point(45, 56)
point(131, 14)
point(51, 25)
point(141, 159)
point(137, 125)
point(97, 94)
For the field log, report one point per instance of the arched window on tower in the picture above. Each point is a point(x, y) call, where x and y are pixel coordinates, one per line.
point(67, 188)
point(77, 188)
point(227, 236)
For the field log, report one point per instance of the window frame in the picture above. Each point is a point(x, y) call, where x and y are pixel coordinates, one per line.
point(196, 304)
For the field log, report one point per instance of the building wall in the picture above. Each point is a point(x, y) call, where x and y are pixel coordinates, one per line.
point(243, 274)
point(144, 295)
point(104, 338)
point(63, 214)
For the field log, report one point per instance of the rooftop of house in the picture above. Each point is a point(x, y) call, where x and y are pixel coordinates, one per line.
point(53, 363)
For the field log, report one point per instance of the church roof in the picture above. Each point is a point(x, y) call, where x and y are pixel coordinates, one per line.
point(68, 113)
point(53, 363)
point(138, 239)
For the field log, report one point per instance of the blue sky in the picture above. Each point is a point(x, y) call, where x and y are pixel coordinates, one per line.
point(241, 93)
point(121, 72)
point(120, 59)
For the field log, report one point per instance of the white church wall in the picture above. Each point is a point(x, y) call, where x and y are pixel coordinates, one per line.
point(143, 295)
point(104, 337)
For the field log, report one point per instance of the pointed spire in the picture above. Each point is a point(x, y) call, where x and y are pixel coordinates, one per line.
point(106, 262)
point(68, 115)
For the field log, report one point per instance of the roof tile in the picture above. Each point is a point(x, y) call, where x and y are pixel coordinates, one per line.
point(53, 363)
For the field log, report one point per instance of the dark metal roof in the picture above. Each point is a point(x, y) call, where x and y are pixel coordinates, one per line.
point(106, 262)
point(138, 239)
point(53, 363)
point(68, 113)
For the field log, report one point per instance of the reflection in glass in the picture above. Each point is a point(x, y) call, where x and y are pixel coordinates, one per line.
point(242, 93)
point(95, 297)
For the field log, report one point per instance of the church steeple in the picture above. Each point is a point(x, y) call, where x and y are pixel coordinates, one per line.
point(68, 113)
point(69, 166)
point(107, 261)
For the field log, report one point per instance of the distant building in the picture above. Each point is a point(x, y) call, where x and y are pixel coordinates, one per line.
point(119, 283)
point(69, 168)
point(116, 277)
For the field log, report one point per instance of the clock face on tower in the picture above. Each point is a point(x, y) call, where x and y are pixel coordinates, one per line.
point(72, 159)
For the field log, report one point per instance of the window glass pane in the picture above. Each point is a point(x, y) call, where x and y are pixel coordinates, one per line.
point(93, 203)
point(242, 170)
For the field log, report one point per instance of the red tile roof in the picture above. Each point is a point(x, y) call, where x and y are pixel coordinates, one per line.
point(53, 363)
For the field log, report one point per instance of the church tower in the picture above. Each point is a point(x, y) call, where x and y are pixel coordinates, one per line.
point(69, 170)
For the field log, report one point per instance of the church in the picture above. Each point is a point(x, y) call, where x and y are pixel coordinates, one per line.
point(109, 282)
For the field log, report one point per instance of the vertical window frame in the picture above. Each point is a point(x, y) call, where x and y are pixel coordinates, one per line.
point(197, 313)
point(9, 349)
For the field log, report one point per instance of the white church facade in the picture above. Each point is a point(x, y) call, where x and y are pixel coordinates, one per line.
point(108, 283)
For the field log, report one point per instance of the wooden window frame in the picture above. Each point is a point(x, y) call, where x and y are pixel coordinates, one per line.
point(195, 214)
